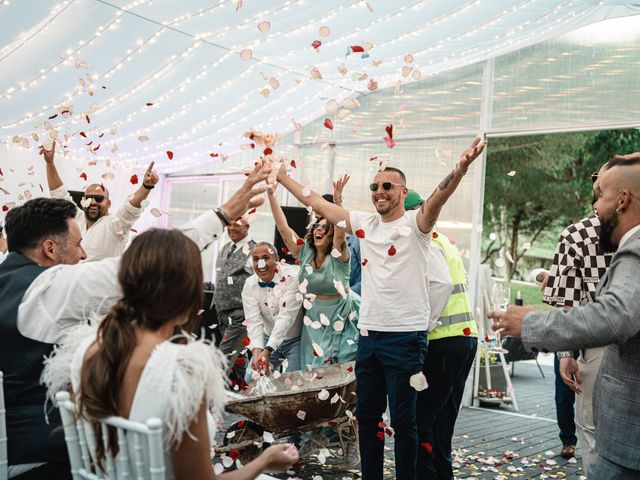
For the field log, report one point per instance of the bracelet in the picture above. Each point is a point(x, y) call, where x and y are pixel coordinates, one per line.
point(565, 354)
point(269, 349)
point(223, 217)
point(148, 187)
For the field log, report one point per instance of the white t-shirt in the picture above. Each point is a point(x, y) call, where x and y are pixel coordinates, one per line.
point(395, 288)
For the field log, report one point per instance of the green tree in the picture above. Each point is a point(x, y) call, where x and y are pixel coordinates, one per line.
point(550, 189)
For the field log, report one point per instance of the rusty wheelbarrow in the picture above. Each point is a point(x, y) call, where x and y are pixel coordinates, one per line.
point(296, 402)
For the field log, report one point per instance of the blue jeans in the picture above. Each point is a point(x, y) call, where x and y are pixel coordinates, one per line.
point(385, 362)
point(446, 367)
point(565, 414)
point(290, 350)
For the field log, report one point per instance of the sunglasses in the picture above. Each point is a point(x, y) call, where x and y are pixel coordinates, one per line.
point(385, 186)
point(594, 177)
point(323, 226)
point(97, 198)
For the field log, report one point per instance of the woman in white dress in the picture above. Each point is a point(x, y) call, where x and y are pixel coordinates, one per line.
point(136, 367)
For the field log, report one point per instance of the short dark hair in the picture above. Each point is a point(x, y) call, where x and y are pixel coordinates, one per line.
point(398, 171)
point(328, 197)
point(622, 162)
point(37, 220)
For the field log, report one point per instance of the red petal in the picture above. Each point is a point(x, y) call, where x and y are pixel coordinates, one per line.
point(316, 44)
point(242, 423)
point(82, 134)
point(149, 104)
point(213, 155)
point(388, 431)
point(267, 151)
point(299, 241)
point(356, 48)
point(83, 176)
point(246, 341)
point(170, 154)
point(349, 369)
point(427, 446)
point(381, 424)
point(328, 124)
point(466, 331)
point(380, 436)
point(360, 233)
point(392, 251)
point(134, 179)
point(434, 235)
point(389, 141)
point(53, 116)
point(234, 454)
point(253, 210)
point(315, 354)
point(240, 361)
point(326, 361)
point(389, 130)
point(5, 208)
point(292, 163)
point(486, 338)
point(284, 250)
point(101, 135)
point(364, 262)
point(88, 119)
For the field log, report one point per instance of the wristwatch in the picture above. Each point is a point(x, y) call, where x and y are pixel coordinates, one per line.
point(269, 349)
point(148, 187)
point(565, 354)
point(223, 217)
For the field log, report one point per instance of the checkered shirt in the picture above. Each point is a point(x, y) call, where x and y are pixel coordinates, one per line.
point(578, 265)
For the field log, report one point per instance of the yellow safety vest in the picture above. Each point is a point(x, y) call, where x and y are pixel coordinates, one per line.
point(456, 319)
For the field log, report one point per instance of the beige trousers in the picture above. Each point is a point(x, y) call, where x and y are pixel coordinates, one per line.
point(588, 364)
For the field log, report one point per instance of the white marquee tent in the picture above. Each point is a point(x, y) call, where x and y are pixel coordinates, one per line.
point(121, 83)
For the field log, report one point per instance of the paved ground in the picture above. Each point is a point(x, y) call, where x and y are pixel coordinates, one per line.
point(491, 443)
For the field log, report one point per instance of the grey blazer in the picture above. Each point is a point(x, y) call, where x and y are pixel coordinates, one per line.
point(612, 320)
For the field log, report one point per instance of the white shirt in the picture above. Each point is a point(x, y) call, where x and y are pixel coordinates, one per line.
point(108, 236)
point(628, 235)
point(276, 311)
point(395, 288)
point(64, 295)
point(440, 284)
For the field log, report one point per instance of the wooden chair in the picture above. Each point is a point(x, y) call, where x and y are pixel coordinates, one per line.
point(140, 453)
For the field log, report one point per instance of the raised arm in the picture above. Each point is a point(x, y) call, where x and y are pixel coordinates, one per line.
point(339, 234)
point(333, 213)
point(53, 177)
point(430, 210)
point(289, 236)
point(150, 180)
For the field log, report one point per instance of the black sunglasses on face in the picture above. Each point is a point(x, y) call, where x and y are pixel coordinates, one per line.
point(97, 198)
point(323, 226)
point(385, 185)
point(594, 177)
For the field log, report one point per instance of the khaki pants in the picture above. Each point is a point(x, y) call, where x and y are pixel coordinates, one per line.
point(588, 364)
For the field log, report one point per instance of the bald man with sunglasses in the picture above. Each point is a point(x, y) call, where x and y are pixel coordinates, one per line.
point(103, 235)
point(395, 309)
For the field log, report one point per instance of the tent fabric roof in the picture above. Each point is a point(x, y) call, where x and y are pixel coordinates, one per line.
point(131, 81)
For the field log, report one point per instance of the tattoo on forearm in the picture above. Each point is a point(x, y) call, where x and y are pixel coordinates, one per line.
point(444, 184)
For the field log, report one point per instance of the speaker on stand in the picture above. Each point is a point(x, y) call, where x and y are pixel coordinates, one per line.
point(297, 217)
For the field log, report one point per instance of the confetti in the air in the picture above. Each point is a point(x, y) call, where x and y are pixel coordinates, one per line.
point(264, 26)
point(418, 381)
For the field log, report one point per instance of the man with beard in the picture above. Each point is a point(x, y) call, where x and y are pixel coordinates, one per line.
point(578, 266)
point(103, 235)
point(612, 321)
point(395, 310)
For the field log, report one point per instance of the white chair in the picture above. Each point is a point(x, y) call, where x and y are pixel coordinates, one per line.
point(4, 457)
point(140, 453)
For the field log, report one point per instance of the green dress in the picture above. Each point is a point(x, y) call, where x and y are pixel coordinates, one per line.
point(338, 340)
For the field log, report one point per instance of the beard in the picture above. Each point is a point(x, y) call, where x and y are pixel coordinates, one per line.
point(93, 216)
point(391, 204)
point(607, 226)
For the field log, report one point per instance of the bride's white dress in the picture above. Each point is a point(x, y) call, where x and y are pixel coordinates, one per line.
point(174, 383)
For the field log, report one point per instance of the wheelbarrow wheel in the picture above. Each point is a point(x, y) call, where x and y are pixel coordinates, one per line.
point(244, 430)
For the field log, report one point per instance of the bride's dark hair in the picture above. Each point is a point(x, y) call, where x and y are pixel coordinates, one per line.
point(161, 279)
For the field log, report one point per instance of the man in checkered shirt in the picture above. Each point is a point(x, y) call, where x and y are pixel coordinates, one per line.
point(578, 266)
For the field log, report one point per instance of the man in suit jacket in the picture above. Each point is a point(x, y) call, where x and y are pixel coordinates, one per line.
point(233, 267)
point(612, 320)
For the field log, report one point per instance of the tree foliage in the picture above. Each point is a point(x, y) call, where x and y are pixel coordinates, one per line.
point(542, 183)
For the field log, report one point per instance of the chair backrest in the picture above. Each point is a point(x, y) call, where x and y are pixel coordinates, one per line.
point(4, 457)
point(140, 455)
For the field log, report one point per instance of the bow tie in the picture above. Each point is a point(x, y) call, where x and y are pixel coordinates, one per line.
point(267, 284)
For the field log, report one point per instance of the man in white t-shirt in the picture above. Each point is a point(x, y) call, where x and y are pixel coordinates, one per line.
point(395, 305)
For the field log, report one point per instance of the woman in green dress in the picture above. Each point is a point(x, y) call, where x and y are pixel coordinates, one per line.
point(330, 332)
